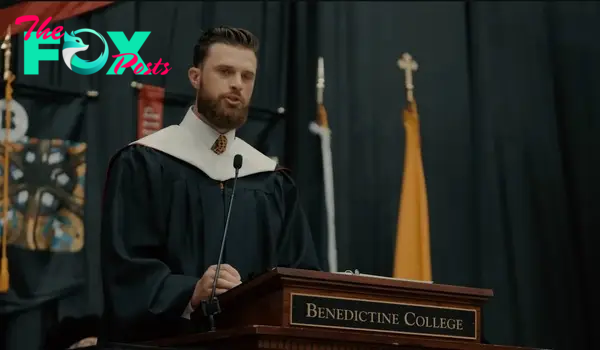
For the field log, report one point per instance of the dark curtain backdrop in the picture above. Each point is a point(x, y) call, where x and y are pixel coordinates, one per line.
point(303, 150)
point(508, 99)
point(535, 93)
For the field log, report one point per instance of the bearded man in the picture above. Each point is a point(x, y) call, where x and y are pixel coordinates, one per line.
point(167, 197)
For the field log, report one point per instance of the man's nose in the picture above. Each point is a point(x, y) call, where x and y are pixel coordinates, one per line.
point(236, 82)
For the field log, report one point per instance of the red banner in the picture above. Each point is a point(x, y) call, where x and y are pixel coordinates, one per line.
point(150, 110)
point(58, 10)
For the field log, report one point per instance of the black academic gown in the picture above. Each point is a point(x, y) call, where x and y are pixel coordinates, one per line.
point(162, 225)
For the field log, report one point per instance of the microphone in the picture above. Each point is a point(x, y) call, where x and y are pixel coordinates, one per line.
point(211, 307)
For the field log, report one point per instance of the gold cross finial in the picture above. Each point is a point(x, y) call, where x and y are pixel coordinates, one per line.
point(6, 43)
point(6, 46)
point(408, 65)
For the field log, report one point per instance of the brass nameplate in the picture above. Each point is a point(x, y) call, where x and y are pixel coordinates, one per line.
point(378, 316)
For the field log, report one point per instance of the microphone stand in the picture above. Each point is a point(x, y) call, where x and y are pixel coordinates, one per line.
point(212, 307)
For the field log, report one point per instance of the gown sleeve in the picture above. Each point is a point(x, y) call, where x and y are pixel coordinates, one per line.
point(140, 290)
point(295, 245)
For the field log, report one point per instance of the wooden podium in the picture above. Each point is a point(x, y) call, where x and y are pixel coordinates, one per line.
point(302, 310)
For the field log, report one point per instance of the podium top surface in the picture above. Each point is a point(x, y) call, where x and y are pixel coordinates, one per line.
point(282, 276)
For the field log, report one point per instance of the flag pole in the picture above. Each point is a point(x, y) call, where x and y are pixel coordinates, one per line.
point(413, 257)
point(8, 78)
point(321, 128)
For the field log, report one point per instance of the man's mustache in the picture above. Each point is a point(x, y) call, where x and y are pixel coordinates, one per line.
point(233, 96)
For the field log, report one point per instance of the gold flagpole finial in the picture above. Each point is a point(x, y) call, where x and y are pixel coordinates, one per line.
point(408, 65)
point(6, 46)
point(322, 114)
point(320, 80)
point(8, 79)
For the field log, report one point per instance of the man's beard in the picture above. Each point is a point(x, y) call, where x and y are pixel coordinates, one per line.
point(219, 113)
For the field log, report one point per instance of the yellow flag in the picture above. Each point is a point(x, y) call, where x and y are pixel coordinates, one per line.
point(413, 258)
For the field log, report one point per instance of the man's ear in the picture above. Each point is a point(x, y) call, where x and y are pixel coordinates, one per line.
point(195, 76)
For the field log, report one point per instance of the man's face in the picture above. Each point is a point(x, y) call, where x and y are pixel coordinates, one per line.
point(224, 85)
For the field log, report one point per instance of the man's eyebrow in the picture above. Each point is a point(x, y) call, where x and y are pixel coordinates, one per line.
point(228, 66)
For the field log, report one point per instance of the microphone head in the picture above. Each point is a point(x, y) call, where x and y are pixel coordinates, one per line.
point(237, 161)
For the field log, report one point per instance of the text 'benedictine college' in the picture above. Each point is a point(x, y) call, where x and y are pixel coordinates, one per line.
point(326, 311)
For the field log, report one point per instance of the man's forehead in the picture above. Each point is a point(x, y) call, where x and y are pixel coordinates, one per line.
point(230, 55)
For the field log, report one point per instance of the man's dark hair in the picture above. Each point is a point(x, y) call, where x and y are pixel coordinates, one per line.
point(225, 35)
